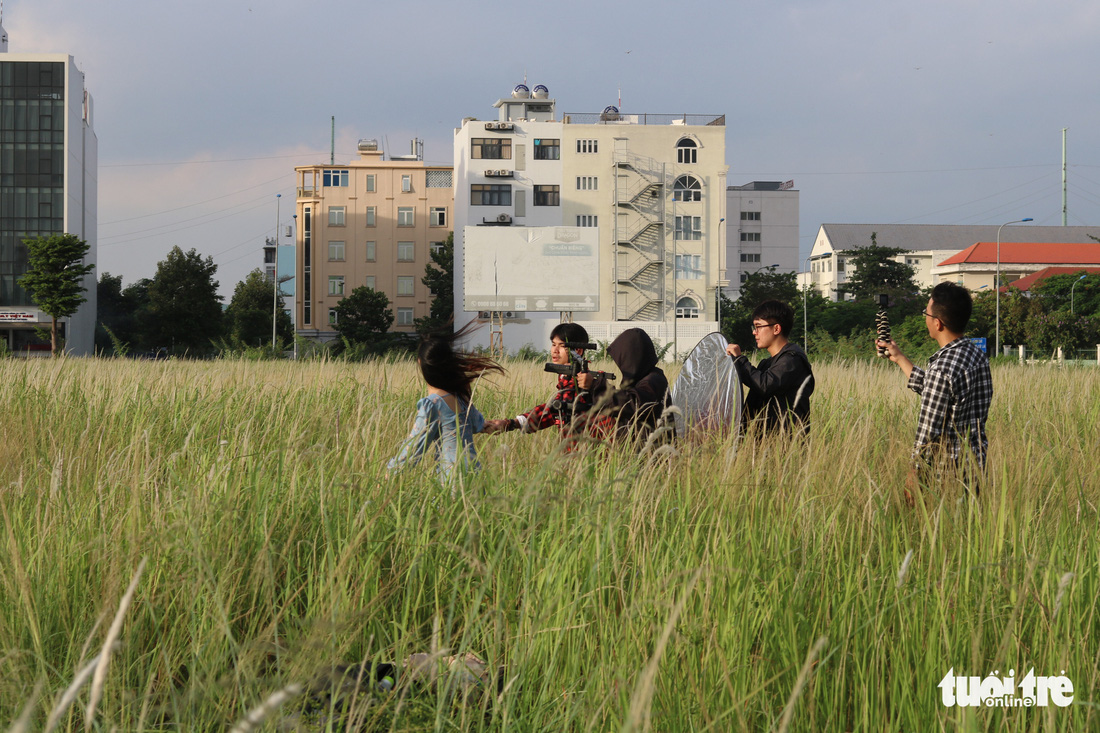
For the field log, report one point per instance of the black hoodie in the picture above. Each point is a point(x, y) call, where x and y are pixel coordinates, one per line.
point(643, 393)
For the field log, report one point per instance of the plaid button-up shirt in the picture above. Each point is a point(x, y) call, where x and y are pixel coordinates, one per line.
point(955, 394)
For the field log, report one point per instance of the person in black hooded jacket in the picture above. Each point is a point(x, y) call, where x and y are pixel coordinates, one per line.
point(781, 384)
point(637, 405)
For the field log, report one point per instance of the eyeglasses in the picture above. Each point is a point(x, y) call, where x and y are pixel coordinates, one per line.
point(929, 314)
point(756, 328)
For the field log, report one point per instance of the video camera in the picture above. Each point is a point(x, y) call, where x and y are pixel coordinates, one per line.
point(577, 364)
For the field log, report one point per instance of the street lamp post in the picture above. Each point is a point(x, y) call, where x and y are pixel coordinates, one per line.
point(1071, 291)
point(997, 280)
point(805, 290)
point(275, 290)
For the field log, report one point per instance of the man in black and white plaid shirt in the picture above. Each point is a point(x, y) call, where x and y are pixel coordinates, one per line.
point(955, 391)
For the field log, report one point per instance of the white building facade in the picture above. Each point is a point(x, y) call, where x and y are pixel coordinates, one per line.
point(652, 185)
point(48, 186)
point(928, 245)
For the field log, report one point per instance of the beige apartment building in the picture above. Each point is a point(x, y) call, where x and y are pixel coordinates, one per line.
point(371, 222)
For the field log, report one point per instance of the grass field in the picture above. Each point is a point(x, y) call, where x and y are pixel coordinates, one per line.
point(198, 536)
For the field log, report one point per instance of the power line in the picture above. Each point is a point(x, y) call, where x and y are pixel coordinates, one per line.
point(187, 206)
point(204, 162)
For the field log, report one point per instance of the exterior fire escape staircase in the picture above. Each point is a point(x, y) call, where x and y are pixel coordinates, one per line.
point(640, 232)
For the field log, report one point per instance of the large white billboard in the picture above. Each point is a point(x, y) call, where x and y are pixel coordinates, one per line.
point(531, 268)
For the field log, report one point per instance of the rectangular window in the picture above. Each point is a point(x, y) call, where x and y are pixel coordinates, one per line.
point(491, 148)
point(587, 146)
point(336, 251)
point(438, 216)
point(335, 284)
point(405, 284)
point(547, 196)
point(587, 220)
point(750, 236)
point(332, 316)
point(336, 216)
point(750, 216)
point(840, 265)
point(330, 178)
point(405, 216)
point(370, 183)
point(404, 316)
point(490, 194)
point(689, 227)
point(370, 216)
point(689, 267)
point(435, 246)
point(370, 281)
point(746, 257)
point(371, 251)
point(587, 183)
point(405, 251)
point(438, 179)
point(547, 149)
point(406, 183)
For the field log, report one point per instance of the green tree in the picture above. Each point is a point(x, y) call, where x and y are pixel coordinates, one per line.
point(439, 276)
point(364, 317)
point(764, 284)
point(248, 317)
point(120, 311)
point(1064, 291)
point(184, 306)
point(875, 271)
point(55, 277)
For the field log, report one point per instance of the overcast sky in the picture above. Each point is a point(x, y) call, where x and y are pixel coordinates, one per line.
point(939, 112)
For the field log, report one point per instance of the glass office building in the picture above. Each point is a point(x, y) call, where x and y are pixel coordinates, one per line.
point(48, 159)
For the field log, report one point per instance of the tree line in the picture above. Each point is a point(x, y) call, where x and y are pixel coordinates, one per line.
point(1062, 311)
point(178, 311)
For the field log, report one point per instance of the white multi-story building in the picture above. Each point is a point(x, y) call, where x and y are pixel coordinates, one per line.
point(48, 163)
point(928, 245)
point(761, 231)
point(653, 186)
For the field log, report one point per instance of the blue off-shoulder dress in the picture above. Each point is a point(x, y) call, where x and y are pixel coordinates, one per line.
point(450, 433)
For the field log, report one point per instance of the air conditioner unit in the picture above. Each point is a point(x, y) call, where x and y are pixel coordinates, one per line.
point(490, 125)
point(505, 218)
point(504, 173)
point(490, 173)
point(505, 126)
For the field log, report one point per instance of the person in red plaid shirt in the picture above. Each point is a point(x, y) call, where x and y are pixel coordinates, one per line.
point(955, 393)
point(567, 400)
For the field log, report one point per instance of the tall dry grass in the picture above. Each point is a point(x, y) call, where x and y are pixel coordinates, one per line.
point(736, 586)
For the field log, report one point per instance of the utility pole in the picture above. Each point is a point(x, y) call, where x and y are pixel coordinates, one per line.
point(1064, 175)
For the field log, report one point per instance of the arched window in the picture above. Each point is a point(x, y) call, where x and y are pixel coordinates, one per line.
point(687, 307)
point(687, 188)
point(686, 151)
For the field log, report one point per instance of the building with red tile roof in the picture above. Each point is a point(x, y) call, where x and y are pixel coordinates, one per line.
point(976, 266)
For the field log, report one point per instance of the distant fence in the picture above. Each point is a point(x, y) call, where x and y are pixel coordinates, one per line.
point(1072, 357)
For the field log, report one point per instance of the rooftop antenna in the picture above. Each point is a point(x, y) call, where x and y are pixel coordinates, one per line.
point(620, 96)
point(332, 154)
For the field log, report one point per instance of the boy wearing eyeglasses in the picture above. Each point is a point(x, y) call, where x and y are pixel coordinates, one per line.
point(955, 391)
point(781, 384)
